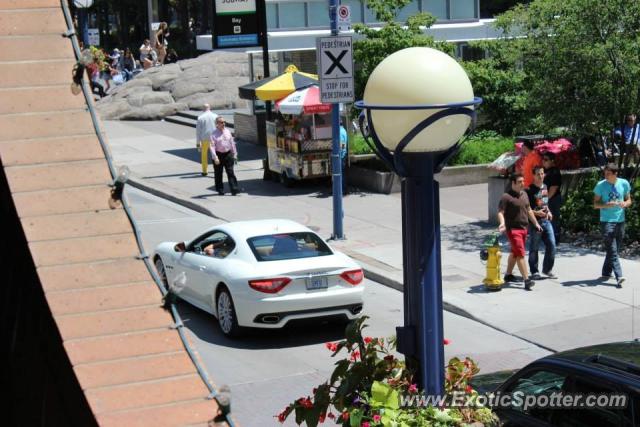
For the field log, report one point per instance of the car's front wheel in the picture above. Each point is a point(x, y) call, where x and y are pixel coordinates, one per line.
point(162, 273)
point(227, 314)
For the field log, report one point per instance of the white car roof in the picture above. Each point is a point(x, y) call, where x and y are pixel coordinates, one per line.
point(246, 229)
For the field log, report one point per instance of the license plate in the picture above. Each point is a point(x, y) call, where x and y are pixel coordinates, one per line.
point(317, 283)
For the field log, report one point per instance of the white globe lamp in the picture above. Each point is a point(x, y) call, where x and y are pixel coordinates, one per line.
point(418, 76)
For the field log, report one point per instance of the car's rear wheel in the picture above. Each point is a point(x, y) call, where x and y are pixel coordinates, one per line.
point(227, 314)
point(162, 272)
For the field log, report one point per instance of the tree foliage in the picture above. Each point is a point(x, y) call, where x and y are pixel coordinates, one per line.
point(504, 89)
point(378, 43)
point(580, 60)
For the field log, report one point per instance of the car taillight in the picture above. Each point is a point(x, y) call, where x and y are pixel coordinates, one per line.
point(353, 276)
point(269, 286)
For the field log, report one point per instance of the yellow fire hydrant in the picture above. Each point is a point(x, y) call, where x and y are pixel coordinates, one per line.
point(491, 254)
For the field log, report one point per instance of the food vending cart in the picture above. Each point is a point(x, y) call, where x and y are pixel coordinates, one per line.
point(299, 141)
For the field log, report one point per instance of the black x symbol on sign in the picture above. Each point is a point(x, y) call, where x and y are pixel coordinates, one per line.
point(335, 62)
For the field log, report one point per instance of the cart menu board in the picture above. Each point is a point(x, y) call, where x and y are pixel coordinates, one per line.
point(237, 23)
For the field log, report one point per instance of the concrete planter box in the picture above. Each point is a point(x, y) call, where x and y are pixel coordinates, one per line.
point(388, 182)
point(373, 180)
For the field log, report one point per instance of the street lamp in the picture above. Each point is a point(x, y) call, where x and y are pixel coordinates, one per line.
point(83, 21)
point(418, 103)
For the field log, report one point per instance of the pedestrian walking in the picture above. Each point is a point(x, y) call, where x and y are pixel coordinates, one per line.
point(224, 154)
point(612, 196)
point(539, 202)
point(514, 214)
point(205, 126)
point(553, 181)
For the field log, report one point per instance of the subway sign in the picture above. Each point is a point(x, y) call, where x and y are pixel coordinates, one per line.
point(237, 23)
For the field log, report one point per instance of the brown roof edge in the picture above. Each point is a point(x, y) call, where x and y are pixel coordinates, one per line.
point(107, 312)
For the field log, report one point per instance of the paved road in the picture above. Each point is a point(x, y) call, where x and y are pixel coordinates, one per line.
point(267, 369)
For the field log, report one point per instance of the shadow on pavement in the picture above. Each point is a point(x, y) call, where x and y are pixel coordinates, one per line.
point(467, 237)
point(482, 289)
point(205, 327)
point(186, 153)
point(188, 175)
point(592, 282)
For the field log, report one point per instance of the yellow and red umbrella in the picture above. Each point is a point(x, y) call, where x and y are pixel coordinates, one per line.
point(273, 88)
point(303, 101)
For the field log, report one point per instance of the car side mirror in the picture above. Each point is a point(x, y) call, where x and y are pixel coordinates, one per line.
point(180, 247)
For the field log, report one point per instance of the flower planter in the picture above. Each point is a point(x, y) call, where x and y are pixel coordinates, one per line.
point(373, 180)
point(368, 173)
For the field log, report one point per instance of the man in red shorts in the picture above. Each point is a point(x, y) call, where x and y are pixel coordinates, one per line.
point(514, 214)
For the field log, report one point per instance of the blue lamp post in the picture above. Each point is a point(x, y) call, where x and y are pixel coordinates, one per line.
point(83, 21)
point(418, 103)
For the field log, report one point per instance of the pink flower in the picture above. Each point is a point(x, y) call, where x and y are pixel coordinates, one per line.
point(413, 388)
point(345, 416)
point(446, 341)
point(376, 418)
point(367, 340)
point(282, 417)
point(468, 389)
point(331, 416)
point(355, 355)
point(331, 346)
point(365, 424)
point(322, 417)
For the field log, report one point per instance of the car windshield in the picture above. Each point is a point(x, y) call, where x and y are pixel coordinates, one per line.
point(283, 246)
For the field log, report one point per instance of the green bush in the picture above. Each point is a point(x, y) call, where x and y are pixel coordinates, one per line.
point(482, 147)
point(578, 214)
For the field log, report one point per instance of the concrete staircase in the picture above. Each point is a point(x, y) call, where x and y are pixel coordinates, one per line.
point(190, 117)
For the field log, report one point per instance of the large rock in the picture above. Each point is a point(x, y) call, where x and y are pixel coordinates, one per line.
point(153, 111)
point(155, 93)
point(145, 98)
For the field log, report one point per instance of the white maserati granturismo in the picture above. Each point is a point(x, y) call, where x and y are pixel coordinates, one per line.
point(261, 274)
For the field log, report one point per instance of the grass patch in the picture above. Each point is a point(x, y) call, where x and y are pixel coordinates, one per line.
point(482, 147)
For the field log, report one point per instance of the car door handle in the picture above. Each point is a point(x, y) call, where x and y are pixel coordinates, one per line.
point(202, 267)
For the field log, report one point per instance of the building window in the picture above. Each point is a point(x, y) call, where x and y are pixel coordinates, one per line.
point(412, 8)
point(437, 8)
point(291, 15)
point(272, 15)
point(318, 14)
point(462, 9)
point(369, 16)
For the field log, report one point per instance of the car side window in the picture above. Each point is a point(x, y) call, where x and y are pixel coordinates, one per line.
point(597, 416)
point(536, 383)
point(546, 382)
point(217, 244)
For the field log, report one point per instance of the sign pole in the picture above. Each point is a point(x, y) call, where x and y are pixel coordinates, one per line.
point(265, 50)
point(336, 161)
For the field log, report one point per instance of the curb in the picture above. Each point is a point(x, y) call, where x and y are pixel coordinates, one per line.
point(177, 200)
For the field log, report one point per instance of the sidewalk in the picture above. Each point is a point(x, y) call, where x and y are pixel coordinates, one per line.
point(572, 311)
